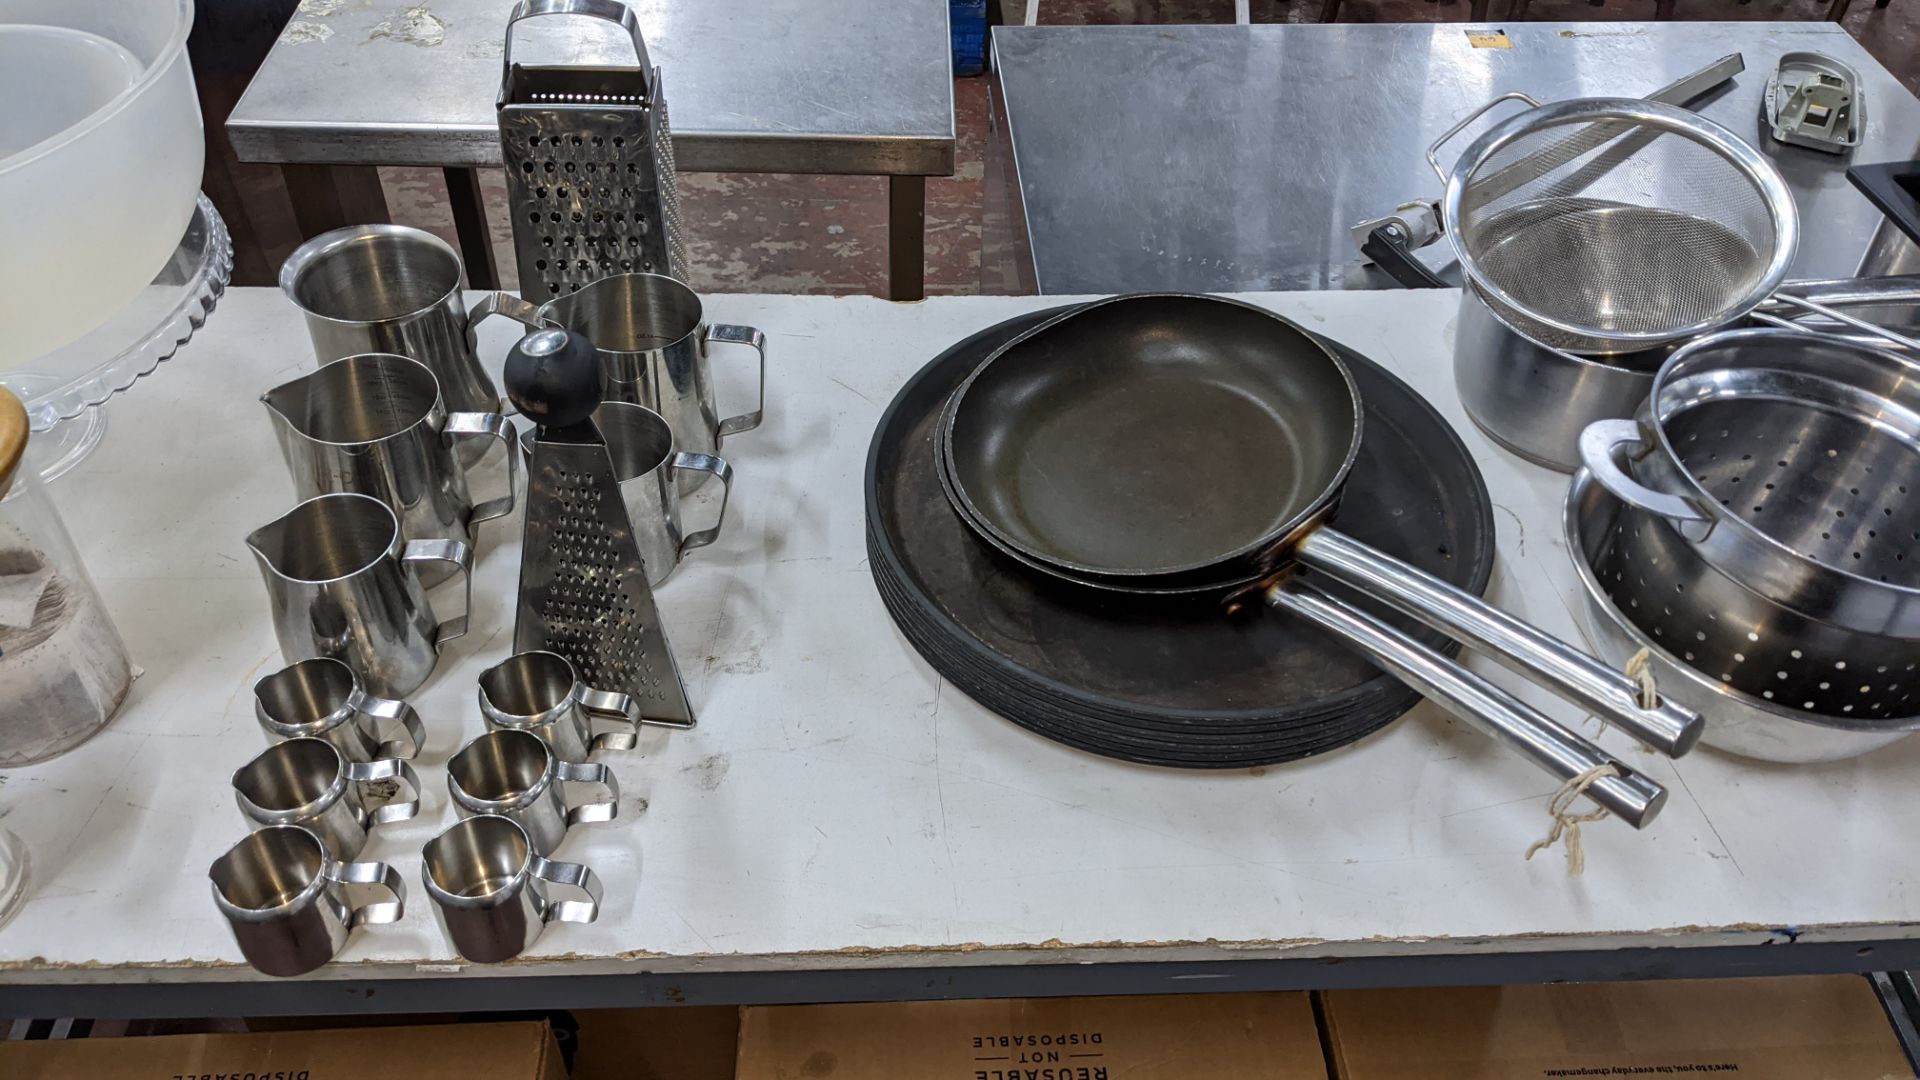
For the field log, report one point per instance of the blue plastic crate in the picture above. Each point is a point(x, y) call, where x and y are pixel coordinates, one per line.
point(968, 19)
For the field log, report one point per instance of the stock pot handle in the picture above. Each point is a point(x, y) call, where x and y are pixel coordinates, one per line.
point(1433, 152)
point(1600, 446)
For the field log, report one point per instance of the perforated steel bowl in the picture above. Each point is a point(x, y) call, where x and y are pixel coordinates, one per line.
point(1773, 687)
point(1788, 463)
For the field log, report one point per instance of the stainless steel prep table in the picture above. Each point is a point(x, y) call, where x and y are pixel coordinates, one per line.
point(1227, 158)
point(755, 86)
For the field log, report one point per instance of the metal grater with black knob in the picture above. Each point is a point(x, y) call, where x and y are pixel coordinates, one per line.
point(583, 584)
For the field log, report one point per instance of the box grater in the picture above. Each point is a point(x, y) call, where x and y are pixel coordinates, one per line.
point(589, 157)
point(583, 584)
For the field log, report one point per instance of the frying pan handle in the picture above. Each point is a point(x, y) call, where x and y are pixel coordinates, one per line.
point(1552, 663)
point(1521, 728)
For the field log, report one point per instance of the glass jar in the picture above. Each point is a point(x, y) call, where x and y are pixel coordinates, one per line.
point(63, 668)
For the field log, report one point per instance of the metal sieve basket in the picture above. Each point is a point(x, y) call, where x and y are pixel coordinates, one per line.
point(1608, 225)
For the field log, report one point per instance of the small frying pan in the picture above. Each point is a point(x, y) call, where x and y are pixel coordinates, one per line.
point(1170, 442)
point(1562, 753)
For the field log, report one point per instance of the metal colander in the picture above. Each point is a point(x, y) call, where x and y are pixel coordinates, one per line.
point(1834, 701)
point(1608, 225)
point(1727, 632)
point(1770, 536)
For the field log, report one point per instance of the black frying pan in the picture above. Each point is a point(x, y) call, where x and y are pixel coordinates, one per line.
point(1154, 436)
point(1177, 443)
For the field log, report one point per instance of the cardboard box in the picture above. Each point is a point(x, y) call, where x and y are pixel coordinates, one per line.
point(1808, 1028)
point(1217, 1036)
point(516, 1051)
point(662, 1043)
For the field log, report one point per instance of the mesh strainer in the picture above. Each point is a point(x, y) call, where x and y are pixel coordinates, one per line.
point(1606, 225)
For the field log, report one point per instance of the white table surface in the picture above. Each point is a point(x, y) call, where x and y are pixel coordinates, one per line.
point(838, 806)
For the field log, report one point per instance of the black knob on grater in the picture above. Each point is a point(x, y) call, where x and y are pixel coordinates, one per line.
point(553, 378)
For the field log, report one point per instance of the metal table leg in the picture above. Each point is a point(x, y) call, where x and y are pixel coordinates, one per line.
point(1900, 997)
point(326, 197)
point(470, 225)
point(1837, 11)
point(906, 237)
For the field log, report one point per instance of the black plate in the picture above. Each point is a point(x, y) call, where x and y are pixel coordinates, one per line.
point(1170, 681)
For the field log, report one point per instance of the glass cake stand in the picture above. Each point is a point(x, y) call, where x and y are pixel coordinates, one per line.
point(66, 391)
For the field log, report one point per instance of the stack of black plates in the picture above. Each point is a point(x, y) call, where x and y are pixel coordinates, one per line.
point(1164, 681)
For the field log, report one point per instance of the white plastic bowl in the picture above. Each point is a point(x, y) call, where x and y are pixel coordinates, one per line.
point(101, 147)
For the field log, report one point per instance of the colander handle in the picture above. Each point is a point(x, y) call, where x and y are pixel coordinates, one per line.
point(1601, 446)
point(1433, 152)
point(1507, 719)
point(609, 10)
